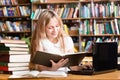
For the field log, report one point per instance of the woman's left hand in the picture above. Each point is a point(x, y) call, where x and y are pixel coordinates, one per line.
point(59, 64)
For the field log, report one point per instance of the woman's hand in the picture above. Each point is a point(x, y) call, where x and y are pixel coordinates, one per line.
point(59, 64)
point(77, 68)
point(54, 66)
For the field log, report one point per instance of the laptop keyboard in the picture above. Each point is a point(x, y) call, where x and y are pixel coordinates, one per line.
point(82, 72)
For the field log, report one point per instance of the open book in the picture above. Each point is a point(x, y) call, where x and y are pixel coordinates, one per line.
point(43, 58)
point(37, 74)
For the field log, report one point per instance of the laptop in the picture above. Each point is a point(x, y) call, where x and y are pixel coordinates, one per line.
point(104, 59)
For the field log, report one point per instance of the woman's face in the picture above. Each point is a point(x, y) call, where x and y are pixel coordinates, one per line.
point(52, 29)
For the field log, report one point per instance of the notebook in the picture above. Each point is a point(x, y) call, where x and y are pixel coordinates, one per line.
point(104, 59)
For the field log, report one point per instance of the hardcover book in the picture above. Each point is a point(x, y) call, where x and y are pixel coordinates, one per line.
point(15, 72)
point(13, 45)
point(14, 64)
point(13, 52)
point(15, 58)
point(5, 68)
point(44, 58)
point(14, 48)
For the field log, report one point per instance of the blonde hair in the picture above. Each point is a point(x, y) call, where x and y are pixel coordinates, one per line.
point(39, 32)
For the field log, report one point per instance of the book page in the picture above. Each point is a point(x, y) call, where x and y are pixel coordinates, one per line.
point(52, 74)
point(33, 74)
point(29, 74)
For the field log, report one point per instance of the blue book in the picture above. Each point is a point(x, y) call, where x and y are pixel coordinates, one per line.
point(88, 46)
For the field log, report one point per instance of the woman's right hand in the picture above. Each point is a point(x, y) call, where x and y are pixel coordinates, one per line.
point(60, 63)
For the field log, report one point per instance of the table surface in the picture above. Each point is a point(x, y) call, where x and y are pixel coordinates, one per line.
point(115, 75)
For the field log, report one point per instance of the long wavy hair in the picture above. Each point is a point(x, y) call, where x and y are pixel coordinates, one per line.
point(39, 31)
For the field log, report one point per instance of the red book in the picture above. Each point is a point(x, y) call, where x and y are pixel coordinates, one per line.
point(5, 68)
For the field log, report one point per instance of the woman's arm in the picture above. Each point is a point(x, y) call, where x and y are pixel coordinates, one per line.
point(70, 49)
point(69, 45)
point(54, 67)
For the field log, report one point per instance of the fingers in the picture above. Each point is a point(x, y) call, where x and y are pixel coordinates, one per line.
point(88, 66)
point(63, 60)
point(84, 67)
point(60, 63)
point(52, 61)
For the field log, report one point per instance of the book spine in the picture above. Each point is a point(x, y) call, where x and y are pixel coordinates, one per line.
point(3, 64)
point(6, 72)
point(3, 68)
point(4, 58)
point(2, 48)
point(15, 58)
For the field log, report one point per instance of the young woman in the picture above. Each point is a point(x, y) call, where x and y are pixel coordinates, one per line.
point(49, 36)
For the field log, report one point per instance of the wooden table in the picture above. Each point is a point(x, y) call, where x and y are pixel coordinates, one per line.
point(105, 76)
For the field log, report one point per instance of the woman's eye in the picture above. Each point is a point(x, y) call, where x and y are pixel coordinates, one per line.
point(57, 26)
point(49, 27)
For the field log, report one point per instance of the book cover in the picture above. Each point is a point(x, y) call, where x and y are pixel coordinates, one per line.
point(18, 11)
point(44, 58)
point(61, 11)
point(70, 13)
point(66, 29)
point(75, 13)
point(88, 47)
point(116, 26)
point(9, 25)
point(37, 11)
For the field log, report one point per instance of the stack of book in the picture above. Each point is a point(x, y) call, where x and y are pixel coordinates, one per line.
point(14, 56)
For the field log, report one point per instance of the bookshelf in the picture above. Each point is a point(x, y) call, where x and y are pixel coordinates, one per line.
point(65, 10)
point(101, 23)
point(94, 20)
point(15, 19)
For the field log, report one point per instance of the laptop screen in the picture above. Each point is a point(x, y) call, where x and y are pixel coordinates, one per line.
point(105, 56)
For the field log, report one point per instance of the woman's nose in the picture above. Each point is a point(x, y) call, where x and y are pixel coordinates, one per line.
point(55, 29)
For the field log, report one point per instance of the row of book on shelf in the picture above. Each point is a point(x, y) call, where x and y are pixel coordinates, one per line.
point(85, 11)
point(96, 27)
point(66, 11)
point(14, 11)
point(14, 56)
point(109, 9)
point(45, 1)
point(8, 2)
point(16, 26)
point(86, 45)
